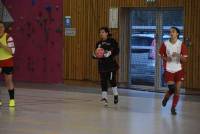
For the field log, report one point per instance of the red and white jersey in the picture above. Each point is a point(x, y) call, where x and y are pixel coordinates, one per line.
point(167, 49)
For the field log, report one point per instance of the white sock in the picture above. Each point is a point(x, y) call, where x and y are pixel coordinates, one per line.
point(115, 92)
point(104, 95)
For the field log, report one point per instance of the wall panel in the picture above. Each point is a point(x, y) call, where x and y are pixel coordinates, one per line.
point(89, 15)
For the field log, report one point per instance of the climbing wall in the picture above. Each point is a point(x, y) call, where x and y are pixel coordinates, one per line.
point(37, 31)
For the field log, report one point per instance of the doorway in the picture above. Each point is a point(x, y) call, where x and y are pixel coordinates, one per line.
point(148, 29)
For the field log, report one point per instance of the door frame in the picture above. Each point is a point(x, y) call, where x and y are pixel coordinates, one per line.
point(124, 45)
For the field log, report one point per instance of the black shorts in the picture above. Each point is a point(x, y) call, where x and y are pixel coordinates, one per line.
point(7, 70)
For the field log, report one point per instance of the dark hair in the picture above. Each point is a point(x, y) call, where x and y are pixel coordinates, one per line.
point(177, 30)
point(107, 30)
point(1, 22)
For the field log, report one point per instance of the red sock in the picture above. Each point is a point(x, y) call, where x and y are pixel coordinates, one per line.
point(175, 100)
point(168, 94)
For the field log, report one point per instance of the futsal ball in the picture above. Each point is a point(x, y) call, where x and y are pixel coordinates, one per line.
point(99, 52)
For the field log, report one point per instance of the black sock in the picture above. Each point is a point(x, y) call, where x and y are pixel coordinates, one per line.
point(11, 94)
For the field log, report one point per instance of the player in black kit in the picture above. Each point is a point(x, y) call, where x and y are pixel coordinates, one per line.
point(107, 64)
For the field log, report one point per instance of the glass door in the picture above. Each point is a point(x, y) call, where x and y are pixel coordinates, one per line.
point(148, 29)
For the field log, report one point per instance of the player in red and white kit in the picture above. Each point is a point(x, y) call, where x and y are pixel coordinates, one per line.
point(174, 54)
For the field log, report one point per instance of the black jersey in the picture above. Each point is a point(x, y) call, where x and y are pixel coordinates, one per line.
point(109, 63)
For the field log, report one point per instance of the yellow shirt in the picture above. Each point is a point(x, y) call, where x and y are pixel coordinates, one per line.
point(3, 53)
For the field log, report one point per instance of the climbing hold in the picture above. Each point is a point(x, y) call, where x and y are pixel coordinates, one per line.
point(34, 2)
point(48, 8)
point(58, 30)
point(21, 17)
point(57, 7)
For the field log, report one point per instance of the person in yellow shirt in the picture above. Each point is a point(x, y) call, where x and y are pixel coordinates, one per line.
point(7, 50)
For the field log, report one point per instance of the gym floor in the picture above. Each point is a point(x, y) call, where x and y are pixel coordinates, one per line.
point(59, 109)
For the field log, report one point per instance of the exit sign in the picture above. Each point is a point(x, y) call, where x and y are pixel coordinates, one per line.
point(150, 1)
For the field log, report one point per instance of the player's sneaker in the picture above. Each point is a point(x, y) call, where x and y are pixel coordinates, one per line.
point(12, 103)
point(105, 101)
point(116, 99)
point(173, 111)
point(164, 102)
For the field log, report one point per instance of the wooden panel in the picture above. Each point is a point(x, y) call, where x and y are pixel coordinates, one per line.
point(89, 15)
point(124, 45)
